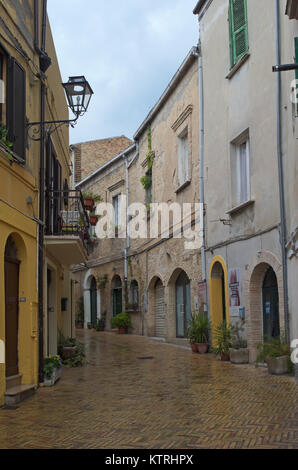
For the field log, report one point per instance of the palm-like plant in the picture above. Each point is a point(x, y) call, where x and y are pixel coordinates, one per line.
point(222, 335)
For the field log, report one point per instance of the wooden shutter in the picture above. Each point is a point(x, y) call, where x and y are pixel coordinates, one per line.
point(238, 30)
point(16, 107)
point(296, 60)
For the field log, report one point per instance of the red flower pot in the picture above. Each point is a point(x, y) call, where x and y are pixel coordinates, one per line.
point(121, 331)
point(193, 347)
point(202, 348)
point(225, 357)
point(90, 327)
point(79, 326)
point(93, 220)
point(89, 203)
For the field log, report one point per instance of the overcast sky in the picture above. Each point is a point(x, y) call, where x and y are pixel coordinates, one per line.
point(127, 49)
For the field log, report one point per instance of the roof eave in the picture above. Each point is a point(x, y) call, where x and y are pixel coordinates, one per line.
point(171, 86)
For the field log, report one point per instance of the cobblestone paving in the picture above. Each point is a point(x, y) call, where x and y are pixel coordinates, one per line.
point(175, 399)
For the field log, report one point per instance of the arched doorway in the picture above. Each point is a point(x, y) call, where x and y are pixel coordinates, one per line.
point(93, 301)
point(159, 309)
point(116, 295)
point(183, 304)
point(12, 268)
point(271, 328)
point(219, 302)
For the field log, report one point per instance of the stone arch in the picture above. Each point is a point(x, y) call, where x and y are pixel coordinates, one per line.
point(253, 296)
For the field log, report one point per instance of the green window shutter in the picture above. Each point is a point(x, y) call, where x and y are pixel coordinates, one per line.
point(238, 30)
point(296, 55)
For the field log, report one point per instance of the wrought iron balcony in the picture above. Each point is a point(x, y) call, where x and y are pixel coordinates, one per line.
point(67, 217)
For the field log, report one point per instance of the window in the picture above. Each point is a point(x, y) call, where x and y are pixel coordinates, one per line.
point(183, 156)
point(16, 107)
point(240, 169)
point(148, 187)
point(238, 30)
point(117, 213)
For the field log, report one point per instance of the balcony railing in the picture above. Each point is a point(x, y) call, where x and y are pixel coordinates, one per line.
point(66, 215)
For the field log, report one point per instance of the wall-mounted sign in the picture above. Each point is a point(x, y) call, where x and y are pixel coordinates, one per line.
point(202, 291)
point(23, 299)
point(234, 287)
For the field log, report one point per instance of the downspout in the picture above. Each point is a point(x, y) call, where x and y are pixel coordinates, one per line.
point(201, 177)
point(41, 208)
point(283, 234)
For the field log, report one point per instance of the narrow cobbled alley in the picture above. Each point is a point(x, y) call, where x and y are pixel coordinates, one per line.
point(138, 393)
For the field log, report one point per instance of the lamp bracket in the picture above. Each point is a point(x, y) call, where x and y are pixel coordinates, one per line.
point(34, 129)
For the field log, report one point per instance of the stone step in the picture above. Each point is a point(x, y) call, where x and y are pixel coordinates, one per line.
point(13, 381)
point(17, 394)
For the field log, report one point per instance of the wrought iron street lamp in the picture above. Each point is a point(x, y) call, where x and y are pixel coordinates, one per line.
point(78, 93)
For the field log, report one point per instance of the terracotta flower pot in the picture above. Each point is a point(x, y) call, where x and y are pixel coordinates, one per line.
point(121, 331)
point(93, 220)
point(90, 327)
point(68, 352)
point(89, 203)
point(193, 347)
point(202, 348)
point(224, 357)
point(79, 326)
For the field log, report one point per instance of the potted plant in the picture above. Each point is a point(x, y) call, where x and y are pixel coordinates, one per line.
point(192, 333)
point(239, 354)
point(94, 219)
point(90, 199)
point(223, 340)
point(101, 323)
point(202, 333)
point(68, 348)
point(122, 321)
point(276, 353)
point(116, 231)
point(52, 369)
point(90, 325)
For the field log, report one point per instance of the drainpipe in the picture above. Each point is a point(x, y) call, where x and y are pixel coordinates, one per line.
point(41, 207)
point(202, 136)
point(283, 234)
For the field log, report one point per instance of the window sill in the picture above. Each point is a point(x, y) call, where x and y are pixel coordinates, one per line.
point(240, 208)
point(183, 186)
point(237, 66)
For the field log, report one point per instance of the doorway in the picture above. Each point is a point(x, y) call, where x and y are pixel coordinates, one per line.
point(160, 316)
point(271, 327)
point(93, 301)
point(11, 316)
point(183, 305)
point(117, 295)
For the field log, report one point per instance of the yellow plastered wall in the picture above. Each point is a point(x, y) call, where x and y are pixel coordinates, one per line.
point(23, 231)
point(216, 293)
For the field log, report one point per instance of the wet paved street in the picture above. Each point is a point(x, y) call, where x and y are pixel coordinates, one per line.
point(171, 399)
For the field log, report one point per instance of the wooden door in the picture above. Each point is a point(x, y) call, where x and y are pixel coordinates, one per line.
point(160, 317)
point(11, 316)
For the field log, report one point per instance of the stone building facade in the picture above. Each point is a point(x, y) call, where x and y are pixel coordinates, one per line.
point(157, 277)
point(245, 266)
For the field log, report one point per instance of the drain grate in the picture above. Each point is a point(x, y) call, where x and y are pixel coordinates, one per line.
point(146, 358)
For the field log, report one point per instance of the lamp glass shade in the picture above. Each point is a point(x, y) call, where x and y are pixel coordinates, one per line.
point(78, 93)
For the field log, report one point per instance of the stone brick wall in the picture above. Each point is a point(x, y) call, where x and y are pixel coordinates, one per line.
point(162, 259)
point(89, 156)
